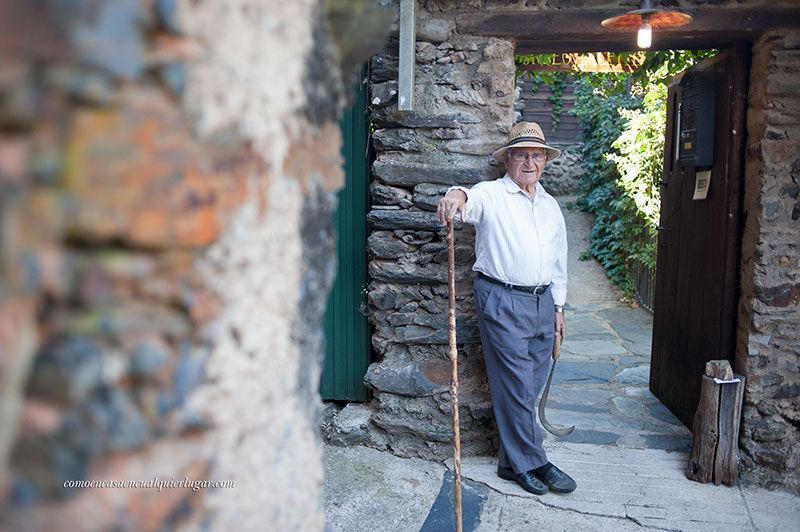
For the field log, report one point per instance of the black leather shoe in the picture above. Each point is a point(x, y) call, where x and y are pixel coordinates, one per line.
point(558, 481)
point(527, 480)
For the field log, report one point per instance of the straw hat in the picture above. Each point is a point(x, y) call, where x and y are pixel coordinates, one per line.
point(526, 135)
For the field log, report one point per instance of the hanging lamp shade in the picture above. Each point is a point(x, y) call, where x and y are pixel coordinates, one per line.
point(660, 19)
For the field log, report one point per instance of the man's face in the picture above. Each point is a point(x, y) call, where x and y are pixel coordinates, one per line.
point(525, 165)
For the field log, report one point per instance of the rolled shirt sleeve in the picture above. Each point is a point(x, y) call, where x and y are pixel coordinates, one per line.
point(478, 200)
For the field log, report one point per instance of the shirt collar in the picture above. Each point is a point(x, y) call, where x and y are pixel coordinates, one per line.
point(513, 188)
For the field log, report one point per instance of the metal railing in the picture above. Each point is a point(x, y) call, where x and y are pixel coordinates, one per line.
point(644, 282)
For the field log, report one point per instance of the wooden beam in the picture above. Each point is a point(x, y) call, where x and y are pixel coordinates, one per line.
point(627, 42)
point(578, 31)
point(408, 38)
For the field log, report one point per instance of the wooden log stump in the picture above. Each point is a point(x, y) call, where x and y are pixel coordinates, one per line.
point(715, 450)
point(705, 430)
point(726, 461)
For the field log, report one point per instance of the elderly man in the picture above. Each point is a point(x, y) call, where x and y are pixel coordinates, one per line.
point(521, 260)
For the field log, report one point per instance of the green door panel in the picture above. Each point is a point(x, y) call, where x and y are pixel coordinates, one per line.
point(347, 335)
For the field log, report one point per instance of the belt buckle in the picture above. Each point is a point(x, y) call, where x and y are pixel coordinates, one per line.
point(538, 290)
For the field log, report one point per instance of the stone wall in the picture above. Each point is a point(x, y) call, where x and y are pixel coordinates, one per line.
point(168, 174)
point(464, 95)
point(768, 338)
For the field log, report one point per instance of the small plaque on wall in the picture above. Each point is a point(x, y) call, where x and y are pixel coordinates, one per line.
point(701, 184)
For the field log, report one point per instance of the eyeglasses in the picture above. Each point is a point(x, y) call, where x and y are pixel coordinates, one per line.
point(521, 157)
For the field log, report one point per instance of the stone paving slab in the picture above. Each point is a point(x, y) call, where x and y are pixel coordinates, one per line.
point(572, 407)
point(570, 372)
point(590, 436)
point(602, 419)
point(667, 442)
point(442, 515)
point(587, 285)
point(636, 356)
point(640, 351)
point(642, 393)
point(589, 336)
point(594, 347)
point(587, 323)
point(662, 413)
point(367, 490)
point(634, 333)
point(583, 395)
point(628, 407)
point(761, 505)
point(635, 375)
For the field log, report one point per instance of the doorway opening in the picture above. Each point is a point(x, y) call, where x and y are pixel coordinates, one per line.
point(633, 360)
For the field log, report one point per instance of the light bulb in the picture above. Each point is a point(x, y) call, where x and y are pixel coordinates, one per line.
point(644, 37)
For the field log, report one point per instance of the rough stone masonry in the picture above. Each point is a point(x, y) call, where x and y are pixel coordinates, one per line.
point(168, 173)
point(464, 94)
point(768, 336)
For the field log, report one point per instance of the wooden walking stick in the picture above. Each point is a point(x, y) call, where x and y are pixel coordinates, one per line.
point(451, 324)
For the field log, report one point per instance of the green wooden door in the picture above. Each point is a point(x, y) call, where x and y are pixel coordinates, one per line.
point(347, 351)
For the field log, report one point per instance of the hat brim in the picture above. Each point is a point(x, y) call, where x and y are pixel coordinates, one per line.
point(552, 152)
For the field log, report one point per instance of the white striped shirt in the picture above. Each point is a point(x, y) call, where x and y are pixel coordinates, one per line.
point(518, 240)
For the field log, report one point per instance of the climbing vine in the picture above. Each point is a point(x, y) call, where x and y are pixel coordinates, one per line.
point(556, 99)
point(556, 81)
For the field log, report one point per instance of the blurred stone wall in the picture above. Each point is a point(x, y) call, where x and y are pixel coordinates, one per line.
point(768, 338)
point(168, 173)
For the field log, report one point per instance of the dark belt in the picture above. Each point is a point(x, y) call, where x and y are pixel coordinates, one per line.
point(535, 290)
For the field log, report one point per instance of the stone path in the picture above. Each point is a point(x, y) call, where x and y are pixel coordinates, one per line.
point(588, 284)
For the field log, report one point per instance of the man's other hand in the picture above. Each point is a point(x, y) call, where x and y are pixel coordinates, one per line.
point(561, 325)
point(453, 201)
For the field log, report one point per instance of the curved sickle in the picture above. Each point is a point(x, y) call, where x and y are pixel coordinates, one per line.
point(552, 429)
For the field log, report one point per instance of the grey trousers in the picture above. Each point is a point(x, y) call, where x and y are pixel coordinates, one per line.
point(517, 332)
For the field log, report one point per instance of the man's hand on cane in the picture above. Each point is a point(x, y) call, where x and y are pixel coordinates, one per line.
point(454, 201)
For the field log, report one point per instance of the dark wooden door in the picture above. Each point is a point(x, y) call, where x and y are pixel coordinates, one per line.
point(696, 291)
